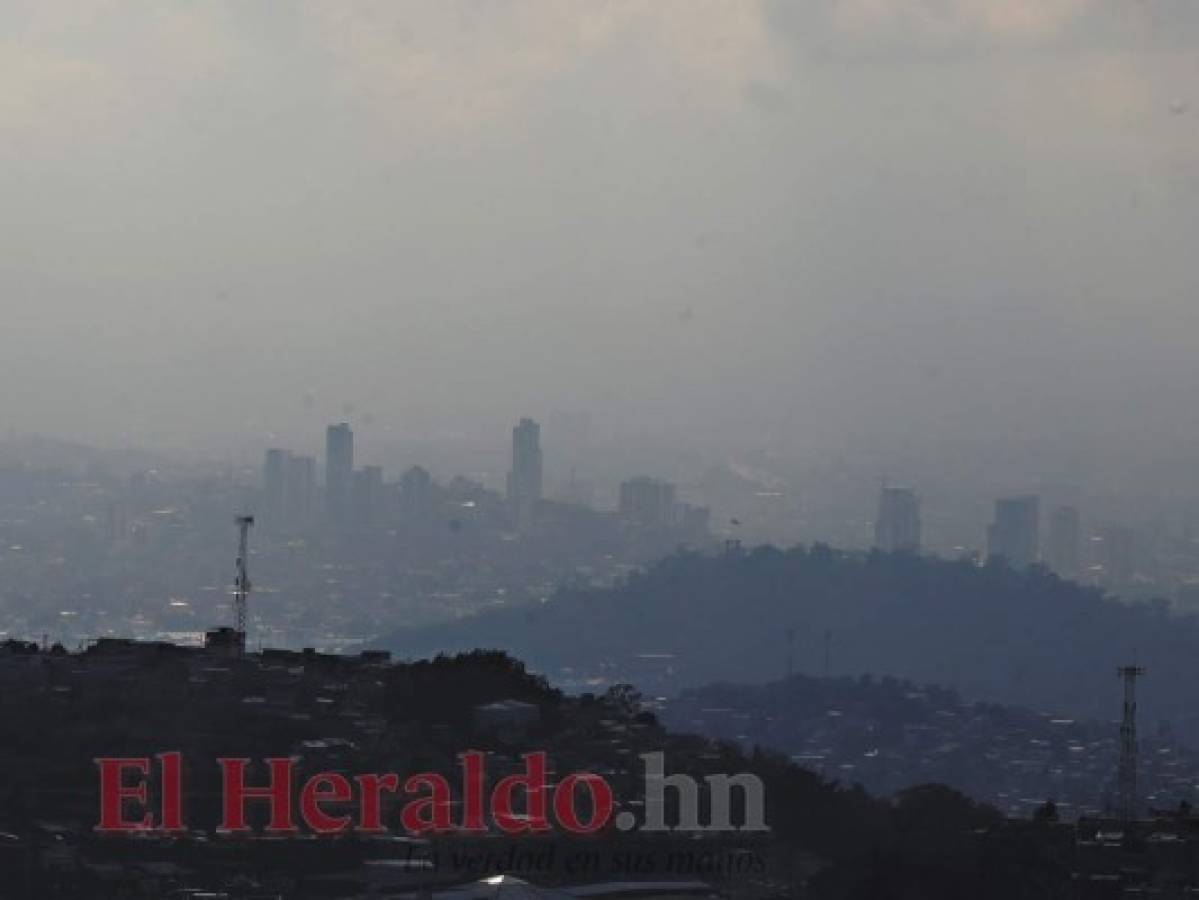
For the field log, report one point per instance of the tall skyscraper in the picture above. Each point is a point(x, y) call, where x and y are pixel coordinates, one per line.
point(339, 471)
point(1062, 548)
point(524, 481)
point(897, 526)
point(1015, 535)
point(274, 484)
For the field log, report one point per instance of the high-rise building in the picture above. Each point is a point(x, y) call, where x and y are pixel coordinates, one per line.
point(274, 484)
point(416, 493)
point(300, 492)
point(897, 527)
point(288, 488)
point(368, 495)
point(648, 501)
point(524, 481)
point(1061, 551)
point(1014, 535)
point(339, 471)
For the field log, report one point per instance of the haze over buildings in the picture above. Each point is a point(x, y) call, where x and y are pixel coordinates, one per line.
point(691, 220)
point(619, 312)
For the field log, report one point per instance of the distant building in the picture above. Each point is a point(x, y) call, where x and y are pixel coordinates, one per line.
point(299, 497)
point(648, 501)
point(897, 526)
point(1015, 533)
point(368, 495)
point(288, 488)
point(525, 479)
point(416, 493)
point(1061, 552)
point(339, 471)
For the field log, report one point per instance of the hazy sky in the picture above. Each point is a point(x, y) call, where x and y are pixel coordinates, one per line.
point(819, 220)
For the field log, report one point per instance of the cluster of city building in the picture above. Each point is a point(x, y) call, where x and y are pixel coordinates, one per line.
point(292, 495)
point(1105, 558)
point(347, 552)
point(343, 554)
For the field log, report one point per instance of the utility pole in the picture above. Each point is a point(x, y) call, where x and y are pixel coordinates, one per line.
point(790, 652)
point(241, 584)
point(1128, 746)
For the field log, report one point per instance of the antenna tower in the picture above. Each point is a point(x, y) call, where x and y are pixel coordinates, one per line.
point(241, 583)
point(1128, 743)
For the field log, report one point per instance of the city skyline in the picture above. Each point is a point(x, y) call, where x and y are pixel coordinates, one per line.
point(585, 449)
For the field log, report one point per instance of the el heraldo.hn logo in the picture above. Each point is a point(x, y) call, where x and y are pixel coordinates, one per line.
point(147, 794)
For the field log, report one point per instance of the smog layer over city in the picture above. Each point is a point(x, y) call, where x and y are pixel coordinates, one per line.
point(611, 404)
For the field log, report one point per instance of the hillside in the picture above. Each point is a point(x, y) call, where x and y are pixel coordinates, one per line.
point(1024, 638)
point(889, 734)
point(352, 715)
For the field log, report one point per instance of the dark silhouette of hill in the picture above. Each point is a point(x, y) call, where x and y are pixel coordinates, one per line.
point(355, 715)
point(1023, 638)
